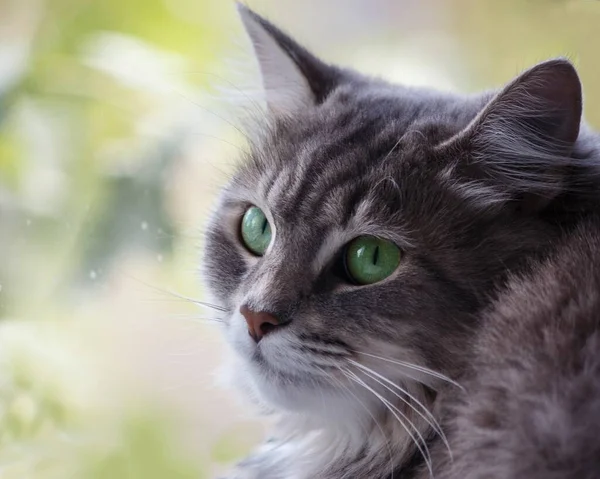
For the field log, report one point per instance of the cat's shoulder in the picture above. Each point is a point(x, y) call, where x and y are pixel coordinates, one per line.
point(532, 407)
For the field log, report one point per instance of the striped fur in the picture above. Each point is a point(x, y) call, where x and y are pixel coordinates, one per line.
point(358, 374)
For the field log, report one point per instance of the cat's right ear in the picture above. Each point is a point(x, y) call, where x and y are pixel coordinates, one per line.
point(519, 146)
point(292, 77)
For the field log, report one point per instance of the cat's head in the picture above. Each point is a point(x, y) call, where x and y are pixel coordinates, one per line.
point(371, 221)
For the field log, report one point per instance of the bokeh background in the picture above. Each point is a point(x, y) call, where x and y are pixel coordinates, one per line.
point(118, 123)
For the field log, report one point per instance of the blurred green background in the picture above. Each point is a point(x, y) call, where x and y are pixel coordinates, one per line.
point(118, 122)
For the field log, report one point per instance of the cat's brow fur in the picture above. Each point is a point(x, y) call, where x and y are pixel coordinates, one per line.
point(476, 190)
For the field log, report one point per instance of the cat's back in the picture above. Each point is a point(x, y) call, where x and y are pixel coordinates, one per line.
point(532, 406)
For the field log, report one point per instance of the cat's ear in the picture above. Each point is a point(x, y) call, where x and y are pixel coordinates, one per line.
point(521, 142)
point(292, 77)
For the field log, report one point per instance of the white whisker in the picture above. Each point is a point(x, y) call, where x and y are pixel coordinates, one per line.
point(181, 296)
point(427, 416)
point(424, 450)
point(415, 367)
point(198, 319)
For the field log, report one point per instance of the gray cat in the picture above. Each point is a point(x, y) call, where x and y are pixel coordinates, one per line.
point(411, 279)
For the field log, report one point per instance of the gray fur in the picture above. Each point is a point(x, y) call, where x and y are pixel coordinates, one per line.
point(474, 190)
point(532, 406)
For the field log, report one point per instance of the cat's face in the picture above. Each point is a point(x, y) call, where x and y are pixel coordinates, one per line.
point(363, 232)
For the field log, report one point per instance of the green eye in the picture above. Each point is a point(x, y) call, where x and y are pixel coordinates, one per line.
point(256, 230)
point(369, 259)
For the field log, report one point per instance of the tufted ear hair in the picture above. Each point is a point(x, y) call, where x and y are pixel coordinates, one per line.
point(520, 144)
point(292, 77)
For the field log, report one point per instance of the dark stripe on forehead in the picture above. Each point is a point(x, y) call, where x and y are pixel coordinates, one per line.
point(270, 181)
point(361, 172)
point(296, 170)
point(340, 186)
point(318, 161)
point(328, 191)
point(282, 172)
point(327, 157)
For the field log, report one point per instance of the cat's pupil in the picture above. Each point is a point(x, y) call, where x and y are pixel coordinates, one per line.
point(376, 255)
point(264, 226)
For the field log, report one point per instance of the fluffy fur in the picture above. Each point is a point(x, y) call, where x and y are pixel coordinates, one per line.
point(474, 190)
point(532, 403)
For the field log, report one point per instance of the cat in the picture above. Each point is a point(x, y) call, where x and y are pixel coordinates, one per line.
point(377, 259)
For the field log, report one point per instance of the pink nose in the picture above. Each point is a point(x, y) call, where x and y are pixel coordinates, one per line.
point(259, 323)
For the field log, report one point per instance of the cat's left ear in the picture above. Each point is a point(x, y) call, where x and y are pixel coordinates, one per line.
point(520, 145)
point(292, 77)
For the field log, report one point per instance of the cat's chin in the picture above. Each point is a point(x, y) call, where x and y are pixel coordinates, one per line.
point(275, 392)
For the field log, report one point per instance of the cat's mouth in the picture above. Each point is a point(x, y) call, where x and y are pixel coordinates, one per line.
point(282, 361)
point(274, 361)
point(304, 387)
point(299, 376)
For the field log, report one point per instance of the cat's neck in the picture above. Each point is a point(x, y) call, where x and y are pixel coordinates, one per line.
point(379, 438)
